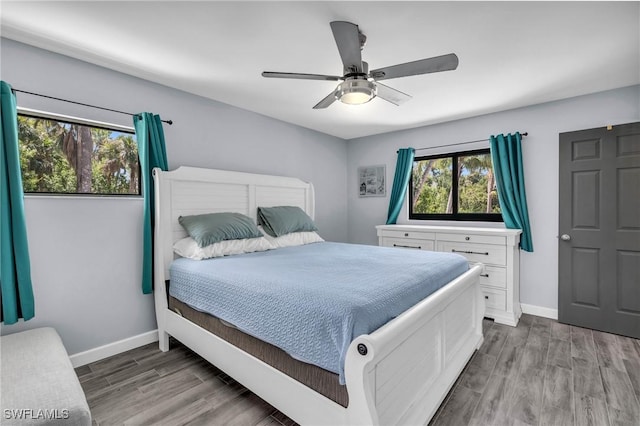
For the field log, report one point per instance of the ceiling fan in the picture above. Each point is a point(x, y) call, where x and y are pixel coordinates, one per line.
point(359, 85)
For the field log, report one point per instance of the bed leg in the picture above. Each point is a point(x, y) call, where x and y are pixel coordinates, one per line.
point(163, 340)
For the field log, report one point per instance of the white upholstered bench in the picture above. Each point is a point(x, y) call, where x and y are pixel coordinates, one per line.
point(38, 385)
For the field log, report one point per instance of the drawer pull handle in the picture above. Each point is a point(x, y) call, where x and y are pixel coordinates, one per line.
point(406, 234)
point(413, 247)
point(486, 253)
point(486, 297)
point(467, 238)
point(484, 275)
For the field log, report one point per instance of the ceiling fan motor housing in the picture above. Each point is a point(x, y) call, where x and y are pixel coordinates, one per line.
point(352, 70)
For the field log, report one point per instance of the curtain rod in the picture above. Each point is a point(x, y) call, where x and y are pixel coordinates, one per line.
point(169, 122)
point(462, 143)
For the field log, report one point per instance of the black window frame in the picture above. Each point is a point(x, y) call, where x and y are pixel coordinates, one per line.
point(455, 216)
point(88, 123)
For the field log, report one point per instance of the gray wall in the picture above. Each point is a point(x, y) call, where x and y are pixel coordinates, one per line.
point(538, 277)
point(86, 251)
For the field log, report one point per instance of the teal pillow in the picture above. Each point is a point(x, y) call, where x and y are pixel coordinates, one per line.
point(283, 220)
point(212, 228)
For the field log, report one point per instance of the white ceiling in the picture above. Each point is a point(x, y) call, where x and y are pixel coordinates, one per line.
point(512, 54)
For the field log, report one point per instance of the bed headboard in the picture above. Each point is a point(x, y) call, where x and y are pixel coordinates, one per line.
point(191, 190)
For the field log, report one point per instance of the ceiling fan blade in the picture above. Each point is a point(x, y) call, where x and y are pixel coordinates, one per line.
point(423, 66)
point(270, 74)
point(348, 41)
point(331, 98)
point(390, 94)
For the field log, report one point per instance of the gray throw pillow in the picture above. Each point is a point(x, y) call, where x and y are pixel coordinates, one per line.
point(282, 220)
point(212, 228)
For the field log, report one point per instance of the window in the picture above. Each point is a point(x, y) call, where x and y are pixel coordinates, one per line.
point(436, 192)
point(58, 156)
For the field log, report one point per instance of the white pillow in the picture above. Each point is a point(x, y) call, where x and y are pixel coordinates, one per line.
point(293, 239)
point(189, 248)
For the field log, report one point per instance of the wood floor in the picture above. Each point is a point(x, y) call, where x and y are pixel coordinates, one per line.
point(539, 373)
point(546, 373)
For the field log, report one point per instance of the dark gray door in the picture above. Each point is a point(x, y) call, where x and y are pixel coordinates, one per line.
point(599, 235)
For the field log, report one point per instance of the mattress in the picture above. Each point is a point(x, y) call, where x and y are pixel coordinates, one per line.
point(311, 301)
point(312, 376)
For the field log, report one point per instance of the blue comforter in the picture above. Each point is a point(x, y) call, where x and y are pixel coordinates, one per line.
point(313, 300)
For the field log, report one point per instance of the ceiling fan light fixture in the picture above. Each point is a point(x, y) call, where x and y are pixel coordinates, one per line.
point(356, 92)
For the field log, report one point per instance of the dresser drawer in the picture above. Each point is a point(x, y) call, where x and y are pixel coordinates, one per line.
point(408, 234)
point(408, 243)
point(493, 276)
point(473, 238)
point(484, 253)
point(494, 299)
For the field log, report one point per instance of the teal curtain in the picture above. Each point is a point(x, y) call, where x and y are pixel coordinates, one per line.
point(152, 153)
point(506, 155)
point(404, 165)
point(16, 291)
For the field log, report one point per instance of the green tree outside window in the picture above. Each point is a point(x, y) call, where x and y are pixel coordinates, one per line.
point(67, 158)
point(457, 186)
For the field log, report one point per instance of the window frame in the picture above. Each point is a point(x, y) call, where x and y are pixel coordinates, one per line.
point(44, 115)
point(455, 216)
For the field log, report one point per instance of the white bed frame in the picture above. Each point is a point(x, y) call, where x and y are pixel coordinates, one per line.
point(399, 374)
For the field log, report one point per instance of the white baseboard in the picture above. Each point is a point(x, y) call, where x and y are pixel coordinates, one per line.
point(110, 349)
point(539, 311)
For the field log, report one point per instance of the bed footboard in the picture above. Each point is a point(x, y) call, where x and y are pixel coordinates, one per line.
point(402, 372)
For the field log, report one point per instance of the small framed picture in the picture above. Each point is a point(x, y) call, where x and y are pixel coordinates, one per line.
point(372, 181)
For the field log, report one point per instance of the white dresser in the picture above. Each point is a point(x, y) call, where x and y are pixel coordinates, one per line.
point(496, 248)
